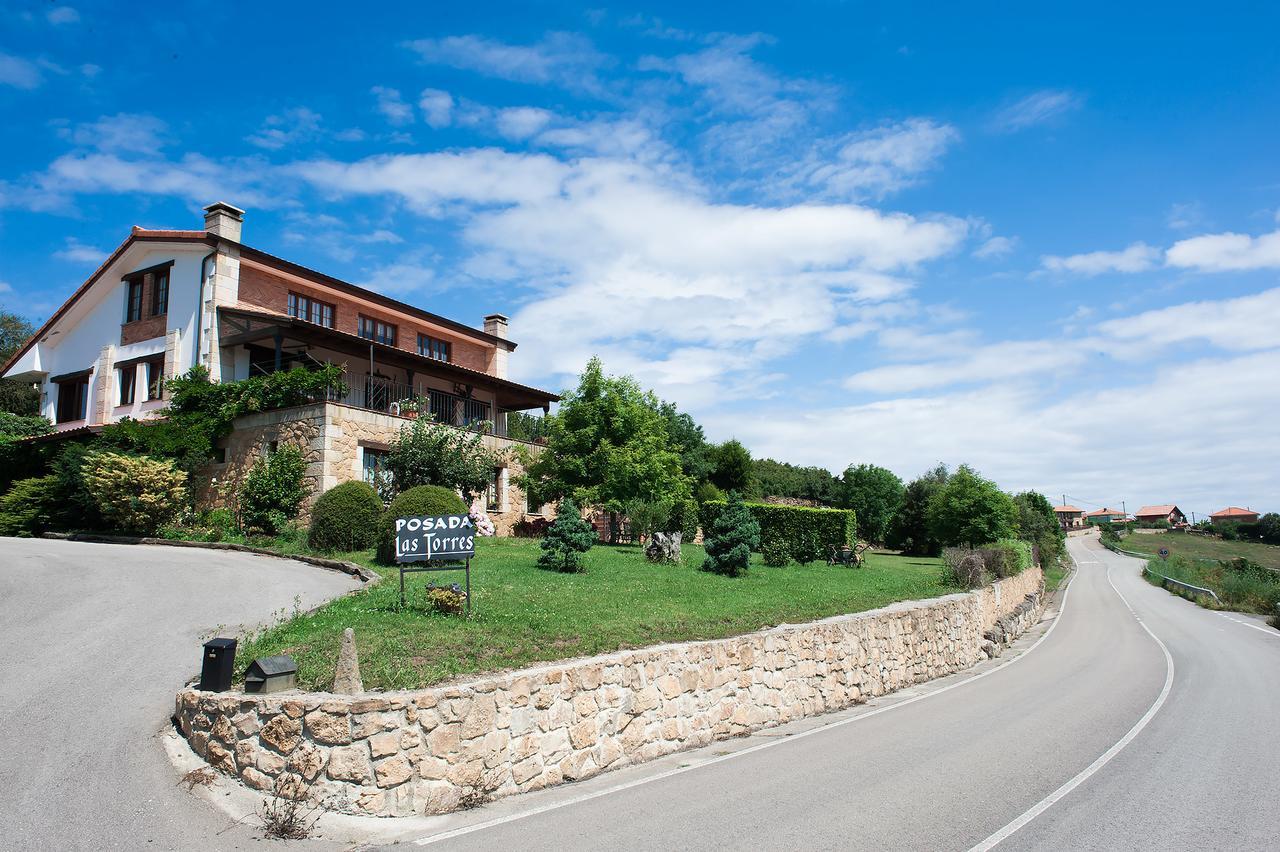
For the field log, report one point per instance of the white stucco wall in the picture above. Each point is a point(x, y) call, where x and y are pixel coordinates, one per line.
point(76, 341)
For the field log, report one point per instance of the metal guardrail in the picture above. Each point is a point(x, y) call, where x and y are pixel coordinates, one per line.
point(1168, 581)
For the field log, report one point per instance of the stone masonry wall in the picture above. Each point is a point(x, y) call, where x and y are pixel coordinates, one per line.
point(432, 750)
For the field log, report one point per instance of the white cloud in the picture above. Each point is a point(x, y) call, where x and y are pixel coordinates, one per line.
point(881, 160)
point(288, 128)
point(1246, 323)
point(522, 122)
point(1226, 252)
point(566, 59)
point(1137, 257)
point(1036, 108)
point(1184, 216)
point(437, 107)
point(59, 15)
point(90, 70)
point(995, 248)
point(392, 105)
point(19, 73)
point(407, 277)
point(121, 133)
point(78, 252)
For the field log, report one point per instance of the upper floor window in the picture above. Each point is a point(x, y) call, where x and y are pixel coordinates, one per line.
point(377, 331)
point(73, 399)
point(160, 293)
point(430, 347)
point(133, 302)
point(311, 310)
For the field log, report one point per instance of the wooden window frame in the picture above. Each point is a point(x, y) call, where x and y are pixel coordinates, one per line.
point(376, 325)
point(132, 304)
point(127, 384)
point(80, 382)
point(160, 294)
point(304, 307)
point(155, 379)
point(427, 348)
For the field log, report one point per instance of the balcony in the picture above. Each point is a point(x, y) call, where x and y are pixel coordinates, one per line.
point(405, 400)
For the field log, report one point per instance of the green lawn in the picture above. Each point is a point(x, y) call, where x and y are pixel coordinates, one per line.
point(524, 615)
point(1242, 591)
point(1197, 547)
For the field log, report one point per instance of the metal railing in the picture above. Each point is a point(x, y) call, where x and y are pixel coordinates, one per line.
point(405, 400)
point(1169, 581)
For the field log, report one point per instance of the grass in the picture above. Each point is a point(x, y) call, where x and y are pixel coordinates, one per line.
point(1054, 575)
point(1199, 547)
point(523, 615)
point(1242, 591)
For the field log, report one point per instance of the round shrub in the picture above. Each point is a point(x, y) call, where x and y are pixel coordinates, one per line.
point(420, 500)
point(345, 518)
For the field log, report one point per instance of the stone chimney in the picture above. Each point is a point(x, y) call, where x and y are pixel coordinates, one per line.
point(222, 219)
point(496, 324)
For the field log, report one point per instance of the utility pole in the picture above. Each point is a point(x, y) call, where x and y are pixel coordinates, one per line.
point(1124, 509)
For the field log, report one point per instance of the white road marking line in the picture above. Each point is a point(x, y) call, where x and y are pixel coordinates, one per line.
point(1051, 799)
point(552, 806)
point(1273, 633)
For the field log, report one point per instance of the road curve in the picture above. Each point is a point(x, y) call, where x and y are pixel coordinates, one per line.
point(1191, 752)
point(94, 641)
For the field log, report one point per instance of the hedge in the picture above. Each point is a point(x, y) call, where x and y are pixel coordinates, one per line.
point(808, 533)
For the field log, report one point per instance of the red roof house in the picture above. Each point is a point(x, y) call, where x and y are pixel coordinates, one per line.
point(1234, 515)
point(1153, 514)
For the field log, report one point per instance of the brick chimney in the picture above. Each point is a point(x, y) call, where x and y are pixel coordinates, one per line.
point(496, 324)
point(222, 219)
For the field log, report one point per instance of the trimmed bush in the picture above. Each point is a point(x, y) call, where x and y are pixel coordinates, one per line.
point(134, 494)
point(731, 539)
point(775, 553)
point(420, 501)
point(273, 491)
point(566, 540)
point(29, 506)
point(965, 566)
point(1006, 557)
point(345, 518)
point(808, 533)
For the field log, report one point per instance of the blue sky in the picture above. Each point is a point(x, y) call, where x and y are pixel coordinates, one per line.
point(1046, 243)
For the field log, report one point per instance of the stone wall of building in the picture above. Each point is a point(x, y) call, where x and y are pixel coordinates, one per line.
point(431, 750)
point(333, 436)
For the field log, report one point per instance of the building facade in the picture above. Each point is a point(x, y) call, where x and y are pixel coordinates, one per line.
point(1155, 514)
point(1234, 515)
point(167, 301)
point(1069, 517)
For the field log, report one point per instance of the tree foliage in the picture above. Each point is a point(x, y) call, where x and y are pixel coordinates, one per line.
point(909, 531)
point(273, 490)
point(971, 510)
point(16, 397)
point(1038, 525)
point(607, 445)
point(430, 453)
point(566, 540)
point(874, 494)
point(732, 537)
point(734, 470)
point(697, 458)
point(782, 479)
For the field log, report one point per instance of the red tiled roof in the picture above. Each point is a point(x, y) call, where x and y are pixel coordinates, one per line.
point(1233, 512)
point(1066, 509)
point(1099, 512)
point(1153, 511)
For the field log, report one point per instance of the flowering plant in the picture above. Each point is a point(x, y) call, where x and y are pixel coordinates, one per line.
point(480, 517)
point(446, 599)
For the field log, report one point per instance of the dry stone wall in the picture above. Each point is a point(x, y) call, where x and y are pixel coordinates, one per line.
point(432, 750)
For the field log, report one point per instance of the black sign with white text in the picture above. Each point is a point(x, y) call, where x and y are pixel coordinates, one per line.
point(429, 539)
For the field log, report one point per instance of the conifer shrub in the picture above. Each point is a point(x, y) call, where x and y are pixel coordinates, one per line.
point(733, 536)
point(566, 540)
point(134, 494)
point(29, 506)
point(420, 501)
point(345, 518)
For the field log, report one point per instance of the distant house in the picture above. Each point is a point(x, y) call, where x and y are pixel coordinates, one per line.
point(1105, 516)
point(1069, 517)
point(1234, 515)
point(1154, 514)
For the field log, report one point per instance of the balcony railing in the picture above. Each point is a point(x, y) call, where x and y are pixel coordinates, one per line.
point(399, 398)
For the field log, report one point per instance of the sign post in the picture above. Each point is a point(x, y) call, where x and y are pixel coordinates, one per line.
point(435, 543)
point(1164, 553)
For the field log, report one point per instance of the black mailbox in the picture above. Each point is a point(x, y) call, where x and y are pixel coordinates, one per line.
point(219, 664)
point(271, 674)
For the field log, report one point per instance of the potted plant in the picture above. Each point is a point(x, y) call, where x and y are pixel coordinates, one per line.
point(409, 407)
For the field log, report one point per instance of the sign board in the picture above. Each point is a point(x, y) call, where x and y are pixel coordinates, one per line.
point(434, 539)
point(1164, 553)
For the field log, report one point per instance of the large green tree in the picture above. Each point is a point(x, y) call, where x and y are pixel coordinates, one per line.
point(608, 445)
point(733, 468)
point(909, 530)
point(874, 493)
point(783, 479)
point(1038, 524)
point(697, 457)
point(16, 397)
point(971, 510)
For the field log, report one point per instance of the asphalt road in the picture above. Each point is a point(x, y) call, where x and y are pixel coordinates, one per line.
point(1093, 739)
point(94, 641)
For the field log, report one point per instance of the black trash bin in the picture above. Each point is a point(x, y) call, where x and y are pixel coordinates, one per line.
point(219, 664)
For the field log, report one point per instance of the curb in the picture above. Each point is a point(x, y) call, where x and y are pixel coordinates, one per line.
point(364, 574)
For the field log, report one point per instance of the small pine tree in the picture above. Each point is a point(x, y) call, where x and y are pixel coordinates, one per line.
point(566, 540)
point(733, 536)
